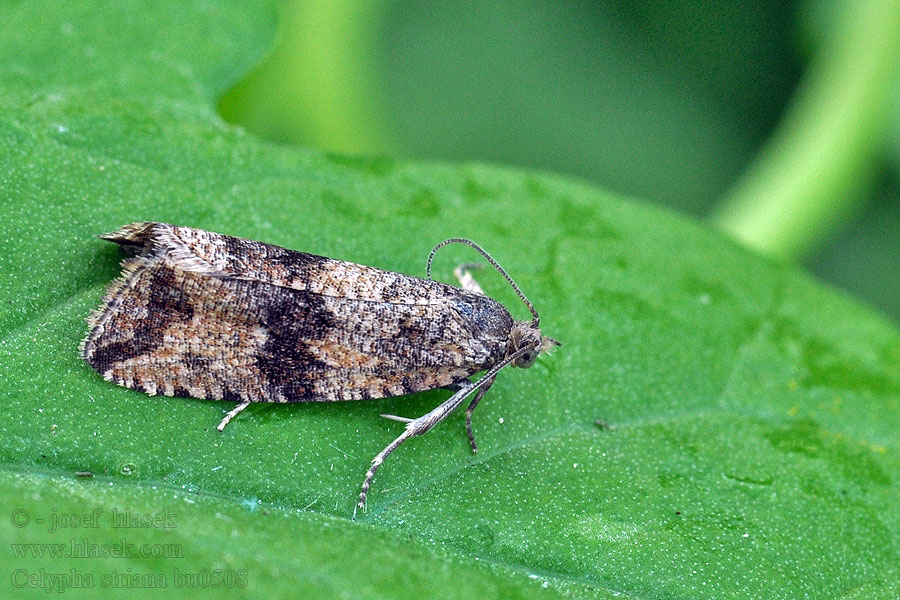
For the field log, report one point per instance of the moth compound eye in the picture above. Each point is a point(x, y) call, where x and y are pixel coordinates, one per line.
point(526, 360)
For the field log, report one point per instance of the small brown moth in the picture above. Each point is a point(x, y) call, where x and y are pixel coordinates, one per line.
point(204, 315)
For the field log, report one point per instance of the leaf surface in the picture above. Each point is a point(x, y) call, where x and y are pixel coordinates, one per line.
point(753, 415)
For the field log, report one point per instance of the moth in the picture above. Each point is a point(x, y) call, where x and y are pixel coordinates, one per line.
point(205, 315)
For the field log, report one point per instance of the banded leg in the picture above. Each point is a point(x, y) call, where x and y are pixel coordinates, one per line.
point(232, 414)
point(413, 428)
point(471, 409)
point(453, 387)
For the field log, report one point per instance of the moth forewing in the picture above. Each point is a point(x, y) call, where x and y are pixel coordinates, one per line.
point(205, 315)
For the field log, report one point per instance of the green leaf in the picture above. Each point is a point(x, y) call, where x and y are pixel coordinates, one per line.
point(754, 415)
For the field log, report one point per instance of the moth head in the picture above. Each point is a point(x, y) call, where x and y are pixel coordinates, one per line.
point(525, 339)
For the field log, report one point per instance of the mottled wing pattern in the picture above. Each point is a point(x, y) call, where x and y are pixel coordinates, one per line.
point(206, 315)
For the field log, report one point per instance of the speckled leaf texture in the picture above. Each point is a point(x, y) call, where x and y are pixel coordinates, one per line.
point(753, 447)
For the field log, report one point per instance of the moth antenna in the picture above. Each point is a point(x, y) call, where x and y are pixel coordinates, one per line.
point(536, 321)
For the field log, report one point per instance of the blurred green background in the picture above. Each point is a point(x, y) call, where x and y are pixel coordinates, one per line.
point(778, 122)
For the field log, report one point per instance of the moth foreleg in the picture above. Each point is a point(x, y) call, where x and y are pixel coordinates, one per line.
point(376, 462)
point(484, 388)
point(396, 418)
point(413, 428)
point(232, 414)
point(455, 387)
point(468, 283)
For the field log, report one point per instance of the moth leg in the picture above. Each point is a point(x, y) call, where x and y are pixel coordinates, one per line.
point(376, 462)
point(232, 414)
point(453, 387)
point(396, 418)
point(465, 278)
point(413, 428)
point(487, 385)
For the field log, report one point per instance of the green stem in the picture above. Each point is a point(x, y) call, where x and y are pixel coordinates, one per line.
point(804, 180)
point(333, 42)
point(318, 87)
